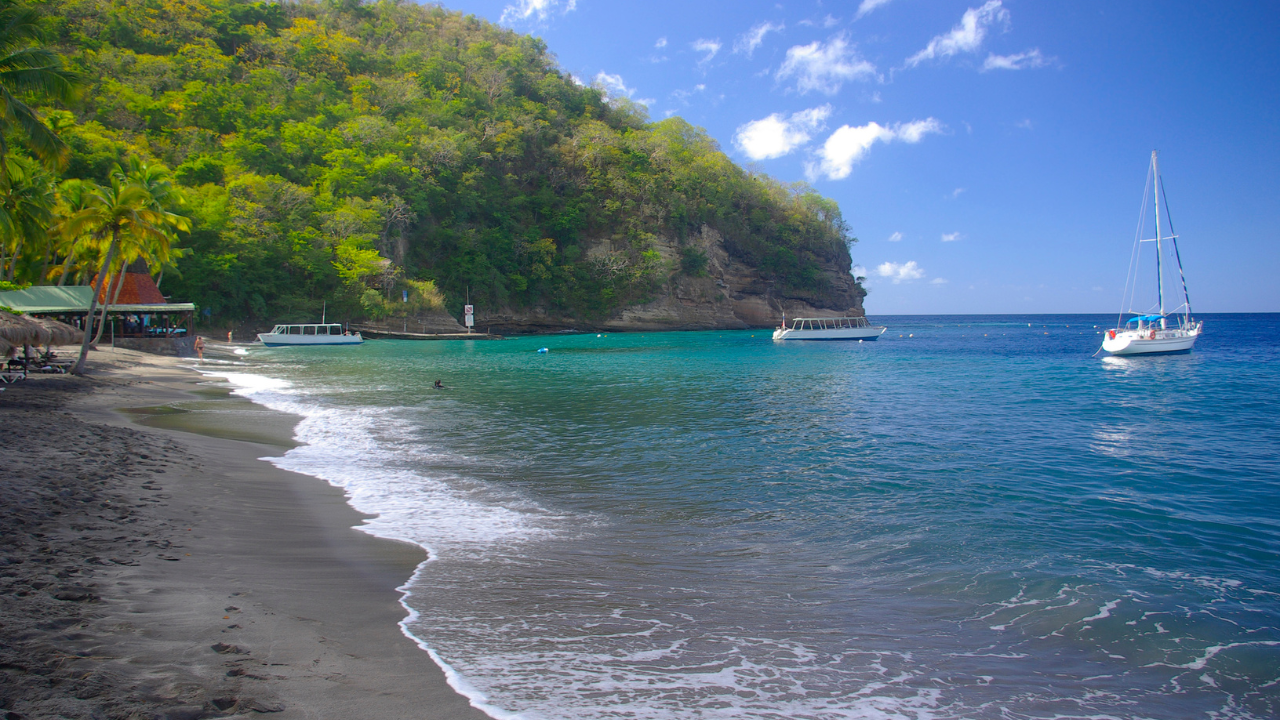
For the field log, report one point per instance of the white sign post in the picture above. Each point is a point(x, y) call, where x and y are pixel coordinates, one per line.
point(470, 319)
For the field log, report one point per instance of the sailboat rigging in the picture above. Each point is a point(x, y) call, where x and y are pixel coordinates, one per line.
point(1154, 329)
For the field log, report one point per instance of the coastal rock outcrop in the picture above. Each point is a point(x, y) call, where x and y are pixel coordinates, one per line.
point(728, 294)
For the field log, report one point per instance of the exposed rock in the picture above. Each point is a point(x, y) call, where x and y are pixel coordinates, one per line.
point(730, 296)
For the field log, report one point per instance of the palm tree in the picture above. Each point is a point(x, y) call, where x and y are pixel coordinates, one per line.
point(29, 70)
point(74, 195)
point(153, 248)
point(26, 209)
point(124, 211)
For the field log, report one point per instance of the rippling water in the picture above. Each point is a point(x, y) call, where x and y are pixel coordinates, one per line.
point(969, 518)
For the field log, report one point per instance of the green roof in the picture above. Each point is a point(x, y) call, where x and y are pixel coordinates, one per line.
point(48, 300)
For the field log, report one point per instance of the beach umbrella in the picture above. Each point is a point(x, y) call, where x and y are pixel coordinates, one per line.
point(60, 332)
point(22, 330)
point(5, 348)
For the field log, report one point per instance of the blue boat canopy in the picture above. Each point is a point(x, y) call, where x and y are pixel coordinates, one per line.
point(1145, 318)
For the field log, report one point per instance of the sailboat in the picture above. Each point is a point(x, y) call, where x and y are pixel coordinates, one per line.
point(1154, 329)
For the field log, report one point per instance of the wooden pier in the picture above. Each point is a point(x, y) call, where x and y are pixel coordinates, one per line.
point(375, 334)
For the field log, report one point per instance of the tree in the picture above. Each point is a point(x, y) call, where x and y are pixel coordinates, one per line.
point(126, 212)
point(29, 70)
point(73, 196)
point(26, 209)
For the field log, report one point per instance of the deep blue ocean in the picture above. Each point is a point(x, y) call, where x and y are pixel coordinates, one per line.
point(971, 517)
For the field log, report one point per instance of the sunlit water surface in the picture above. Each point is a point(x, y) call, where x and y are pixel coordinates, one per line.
point(969, 518)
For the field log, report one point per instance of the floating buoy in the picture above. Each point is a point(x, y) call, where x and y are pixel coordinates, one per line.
point(543, 350)
point(597, 334)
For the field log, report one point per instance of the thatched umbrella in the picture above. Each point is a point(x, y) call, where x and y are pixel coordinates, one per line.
point(60, 332)
point(22, 330)
point(5, 349)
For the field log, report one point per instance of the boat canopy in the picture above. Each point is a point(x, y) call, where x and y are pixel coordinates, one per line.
point(1145, 318)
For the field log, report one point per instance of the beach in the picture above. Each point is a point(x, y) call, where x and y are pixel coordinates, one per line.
point(970, 518)
point(150, 571)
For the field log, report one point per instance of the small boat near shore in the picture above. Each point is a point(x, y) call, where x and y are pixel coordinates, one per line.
point(1154, 330)
point(828, 328)
point(309, 334)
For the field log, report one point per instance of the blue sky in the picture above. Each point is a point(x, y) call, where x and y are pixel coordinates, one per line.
point(988, 155)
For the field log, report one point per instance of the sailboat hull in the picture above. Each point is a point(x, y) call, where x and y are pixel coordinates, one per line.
point(1131, 343)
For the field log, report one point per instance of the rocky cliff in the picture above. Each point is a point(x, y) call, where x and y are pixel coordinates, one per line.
point(729, 295)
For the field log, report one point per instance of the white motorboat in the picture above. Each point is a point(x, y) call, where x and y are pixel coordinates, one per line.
point(309, 334)
point(828, 328)
point(1155, 329)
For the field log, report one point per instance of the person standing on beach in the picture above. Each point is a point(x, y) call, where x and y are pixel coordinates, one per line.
point(200, 348)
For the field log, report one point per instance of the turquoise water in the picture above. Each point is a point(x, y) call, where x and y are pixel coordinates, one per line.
point(969, 518)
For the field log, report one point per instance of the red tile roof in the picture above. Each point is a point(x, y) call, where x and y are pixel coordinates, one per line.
point(138, 289)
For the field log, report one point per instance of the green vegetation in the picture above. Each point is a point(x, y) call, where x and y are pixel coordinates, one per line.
point(352, 152)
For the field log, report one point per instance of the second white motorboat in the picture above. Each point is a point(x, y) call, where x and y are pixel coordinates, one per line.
point(828, 328)
point(309, 334)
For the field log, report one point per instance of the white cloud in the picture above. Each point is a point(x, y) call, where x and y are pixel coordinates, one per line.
point(895, 237)
point(683, 95)
point(906, 272)
point(965, 37)
point(537, 9)
point(1023, 124)
point(914, 131)
point(824, 67)
point(1029, 59)
point(938, 281)
point(858, 271)
point(846, 146)
point(775, 136)
point(709, 47)
point(869, 5)
point(951, 237)
point(662, 42)
point(612, 85)
point(754, 37)
point(957, 193)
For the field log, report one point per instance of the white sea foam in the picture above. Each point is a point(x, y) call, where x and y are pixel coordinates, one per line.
point(385, 479)
point(348, 448)
point(1104, 612)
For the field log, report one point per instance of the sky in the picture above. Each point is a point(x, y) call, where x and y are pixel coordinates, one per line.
point(990, 156)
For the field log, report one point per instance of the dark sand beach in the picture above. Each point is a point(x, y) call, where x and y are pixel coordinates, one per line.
point(151, 566)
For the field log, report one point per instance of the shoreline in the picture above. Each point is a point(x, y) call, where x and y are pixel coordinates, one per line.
point(196, 579)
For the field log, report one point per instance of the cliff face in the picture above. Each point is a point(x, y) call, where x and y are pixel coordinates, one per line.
point(731, 295)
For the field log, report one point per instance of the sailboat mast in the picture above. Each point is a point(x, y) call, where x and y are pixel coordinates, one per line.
point(1155, 168)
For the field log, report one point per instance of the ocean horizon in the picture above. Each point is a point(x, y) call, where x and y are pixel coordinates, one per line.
point(971, 517)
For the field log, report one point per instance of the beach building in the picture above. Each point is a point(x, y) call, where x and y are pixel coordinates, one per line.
point(138, 316)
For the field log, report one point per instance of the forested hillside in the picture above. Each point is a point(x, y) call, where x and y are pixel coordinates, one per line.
point(346, 152)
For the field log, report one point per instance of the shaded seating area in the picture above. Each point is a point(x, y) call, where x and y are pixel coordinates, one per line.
point(20, 340)
point(138, 316)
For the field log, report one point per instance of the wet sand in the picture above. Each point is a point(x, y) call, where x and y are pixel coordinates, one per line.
point(151, 566)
